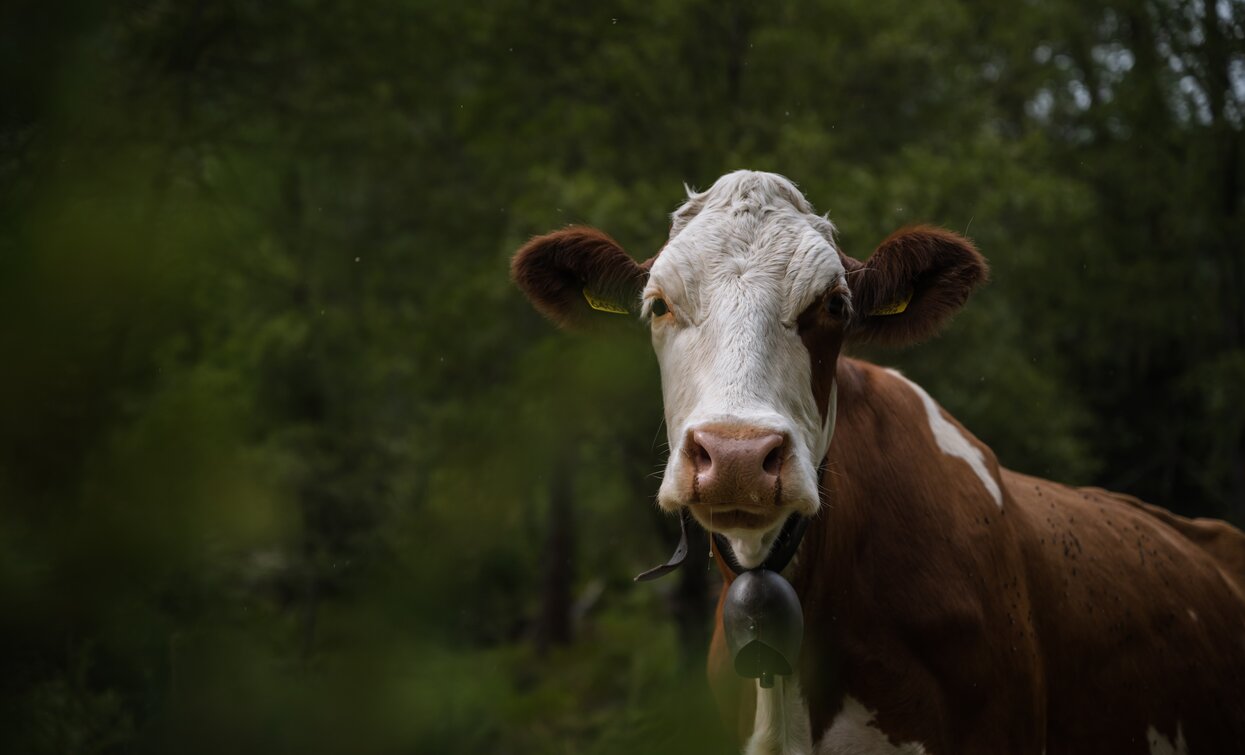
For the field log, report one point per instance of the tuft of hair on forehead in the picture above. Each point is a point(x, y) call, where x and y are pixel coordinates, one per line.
point(743, 188)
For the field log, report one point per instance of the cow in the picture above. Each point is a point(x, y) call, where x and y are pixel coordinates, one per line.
point(950, 605)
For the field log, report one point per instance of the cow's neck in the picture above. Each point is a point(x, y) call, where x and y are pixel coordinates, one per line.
point(889, 483)
point(894, 456)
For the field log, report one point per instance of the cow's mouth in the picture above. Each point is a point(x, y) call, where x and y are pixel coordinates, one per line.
point(729, 517)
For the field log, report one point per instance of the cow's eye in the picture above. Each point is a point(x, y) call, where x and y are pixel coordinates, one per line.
point(836, 306)
point(659, 307)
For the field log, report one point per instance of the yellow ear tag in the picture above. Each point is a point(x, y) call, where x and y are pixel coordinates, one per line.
point(893, 308)
point(601, 305)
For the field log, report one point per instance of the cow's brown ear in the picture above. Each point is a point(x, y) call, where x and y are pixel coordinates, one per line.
point(912, 284)
point(577, 274)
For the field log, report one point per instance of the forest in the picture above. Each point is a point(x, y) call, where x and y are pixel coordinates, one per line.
point(287, 464)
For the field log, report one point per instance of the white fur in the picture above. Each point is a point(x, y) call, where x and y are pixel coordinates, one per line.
point(744, 259)
point(1161, 745)
point(751, 546)
point(782, 724)
point(953, 442)
point(853, 732)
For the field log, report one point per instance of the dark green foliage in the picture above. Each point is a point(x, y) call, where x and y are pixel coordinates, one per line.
point(278, 433)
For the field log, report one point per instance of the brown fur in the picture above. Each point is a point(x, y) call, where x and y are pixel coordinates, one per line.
point(937, 267)
point(822, 334)
point(554, 269)
point(1060, 622)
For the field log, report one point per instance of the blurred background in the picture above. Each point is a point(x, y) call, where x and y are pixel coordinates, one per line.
point(288, 465)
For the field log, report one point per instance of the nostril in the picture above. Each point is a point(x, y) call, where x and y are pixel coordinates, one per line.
point(701, 460)
point(747, 456)
point(773, 461)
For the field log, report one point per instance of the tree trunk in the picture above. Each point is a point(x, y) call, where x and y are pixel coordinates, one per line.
point(554, 625)
point(691, 601)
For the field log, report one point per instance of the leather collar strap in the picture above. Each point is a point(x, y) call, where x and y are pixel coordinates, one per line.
point(676, 559)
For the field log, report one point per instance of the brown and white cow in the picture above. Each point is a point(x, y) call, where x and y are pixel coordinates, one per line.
point(951, 605)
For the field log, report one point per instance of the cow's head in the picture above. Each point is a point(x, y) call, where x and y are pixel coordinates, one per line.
point(749, 303)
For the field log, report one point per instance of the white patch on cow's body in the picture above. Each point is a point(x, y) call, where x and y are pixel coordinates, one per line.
point(1192, 615)
point(953, 442)
point(1161, 745)
point(744, 259)
point(782, 724)
point(853, 732)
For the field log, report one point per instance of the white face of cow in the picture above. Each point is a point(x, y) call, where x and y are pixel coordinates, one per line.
point(747, 436)
point(749, 304)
